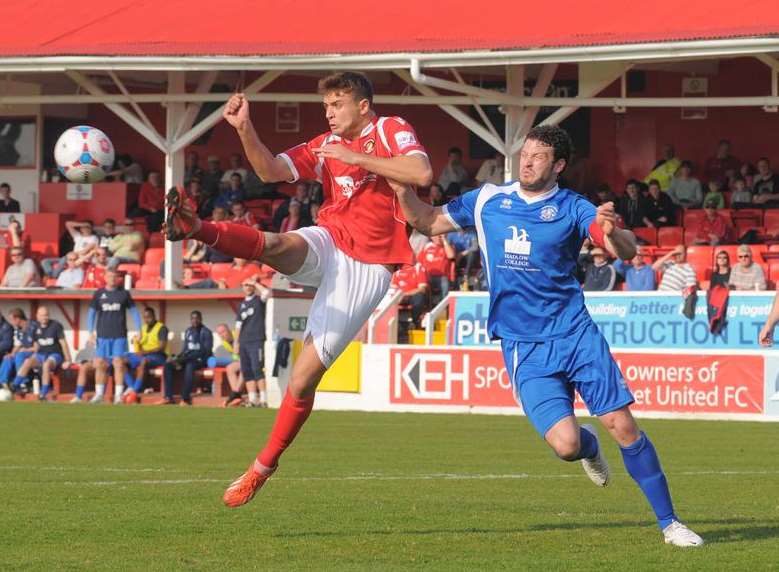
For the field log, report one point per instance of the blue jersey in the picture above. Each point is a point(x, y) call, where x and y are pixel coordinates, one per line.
point(529, 247)
point(48, 337)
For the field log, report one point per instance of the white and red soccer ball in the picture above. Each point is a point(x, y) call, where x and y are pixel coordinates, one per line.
point(84, 154)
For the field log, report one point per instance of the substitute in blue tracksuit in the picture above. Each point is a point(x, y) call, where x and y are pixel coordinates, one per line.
point(197, 348)
point(21, 350)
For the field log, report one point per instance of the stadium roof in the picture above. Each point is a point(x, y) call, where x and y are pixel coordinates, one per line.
point(287, 30)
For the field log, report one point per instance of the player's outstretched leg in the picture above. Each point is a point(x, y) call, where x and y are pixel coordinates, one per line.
point(573, 443)
point(643, 465)
point(293, 413)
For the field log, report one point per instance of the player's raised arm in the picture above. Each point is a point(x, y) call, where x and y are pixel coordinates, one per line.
point(424, 217)
point(268, 167)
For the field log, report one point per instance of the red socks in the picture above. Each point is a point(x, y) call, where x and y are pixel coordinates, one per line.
point(290, 418)
point(234, 240)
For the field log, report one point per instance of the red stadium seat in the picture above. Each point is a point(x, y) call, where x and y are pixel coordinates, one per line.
point(773, 271)
point(700, 258)
point(156, 240)
point(154, 256)
point(148, 284)
point(692, 218)
point(150, 271)
point(690, 235)
point(753, 215)
point(133, 270)
point(646, 233)
point(220, 271)
point(670, 236)
point(771, 221)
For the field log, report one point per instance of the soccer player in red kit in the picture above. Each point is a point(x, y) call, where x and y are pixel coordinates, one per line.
point(349, 257)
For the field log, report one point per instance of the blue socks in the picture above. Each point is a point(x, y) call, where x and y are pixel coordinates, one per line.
point(589, 445)
point(80, 391)
point(642, 464)
point(45, 390)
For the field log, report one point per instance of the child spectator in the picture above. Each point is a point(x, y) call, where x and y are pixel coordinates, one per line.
point(742, 196)
point(242, 216)
point(715, 194)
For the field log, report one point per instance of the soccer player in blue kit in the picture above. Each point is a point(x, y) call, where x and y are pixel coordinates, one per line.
point(530, 232)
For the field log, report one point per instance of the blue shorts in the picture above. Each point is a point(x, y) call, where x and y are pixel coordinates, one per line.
point(109, 348)
point(58, 359)
point(152, 360)
point(545, 374)
point(252, 361)
point(214, 361)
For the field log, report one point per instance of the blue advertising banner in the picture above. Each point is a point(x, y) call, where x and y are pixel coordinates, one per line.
point(651, 320)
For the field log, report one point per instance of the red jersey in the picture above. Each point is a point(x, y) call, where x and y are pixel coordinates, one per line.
point(409, 278)
point(237, 275)
point(433, 258)
point(246, 220)
point(94, 277)
point(360, 210)
point(151, 198)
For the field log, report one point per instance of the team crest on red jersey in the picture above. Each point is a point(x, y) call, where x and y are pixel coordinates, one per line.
point(368, 146)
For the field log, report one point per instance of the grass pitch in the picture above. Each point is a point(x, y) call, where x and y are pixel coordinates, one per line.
point(139, 488)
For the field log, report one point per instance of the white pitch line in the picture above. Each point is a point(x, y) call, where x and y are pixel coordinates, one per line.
point(380, 477)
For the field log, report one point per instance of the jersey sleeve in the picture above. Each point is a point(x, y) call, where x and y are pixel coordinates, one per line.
point(59, 331)
point(302, 162)
point(95, 304)
point(399, 137)
point(162, 335)
point(460, 211)
point(584, 211)
point(421, 275)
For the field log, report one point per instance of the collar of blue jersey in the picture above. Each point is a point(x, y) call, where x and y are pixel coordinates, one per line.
point(537, 198)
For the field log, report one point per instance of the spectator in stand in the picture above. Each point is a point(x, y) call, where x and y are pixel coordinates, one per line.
point(94, 275)
point(151, 202)
point(192, 167)
point(190, 282)
point(632, 207)
point(417, 241)
point(677, 272)
point(685, 190)
point(720, 274)
point(107, 232)
point(243, 216)
point(303, 195)
point(748, 171)
point(231, 363)
point(22, 349)
point(149, 350)
point(126, 247)
point(716, 168)
point(412, 281)
point(204, 202)
point(197, 348)
point(491, 171)
point(436, 195)
point(12, 236)
point(236, 166)
point(638, 276)
point(128, 170)
point(72, 276)
point(604, 194)
point(234, 193)
point(714, 228)
point(466, 248)
point(599, 275)
point(214, 256)
point(212, 178)
point(665, 169)
point(240, 271)
point(250, 325)
point(50, 351)
point(7, 204)
point(765, 185)
point(22, 272)
point(85, 243)
point(292, 220)
point(437, 257)
point(742, 196)
point(453, 172)
point(660, 207)
point(746, 275)
point(715, 194)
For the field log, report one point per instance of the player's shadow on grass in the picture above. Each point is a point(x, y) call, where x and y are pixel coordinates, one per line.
point(741, 529)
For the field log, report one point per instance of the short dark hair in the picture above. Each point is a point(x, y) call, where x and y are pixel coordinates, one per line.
point(654, 182)
point(355, 83)
point(455, 150)
point(109, 221)
point(196, 313)
point(5, 186)
point(687, 164)
point(766, 159)
point(555, 137)
point(17, 313)
point(149, 310)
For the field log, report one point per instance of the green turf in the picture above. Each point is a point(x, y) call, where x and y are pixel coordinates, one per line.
point(81, 491)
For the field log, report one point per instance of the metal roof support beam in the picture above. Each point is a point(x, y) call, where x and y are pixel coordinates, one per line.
point(207, 123)
point(515, 86)
point(174, 173)
point(772, 63)
point(139, 112)
point(132, 120)
point(529, 114)
point(204, 85)
point(479, 109)
point(459, 87)
point(456, 113)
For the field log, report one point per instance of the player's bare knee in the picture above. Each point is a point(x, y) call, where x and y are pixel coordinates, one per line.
point(566, 447)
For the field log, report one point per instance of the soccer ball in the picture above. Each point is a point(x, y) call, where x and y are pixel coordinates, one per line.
point(5, 394)
point(84, 154)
